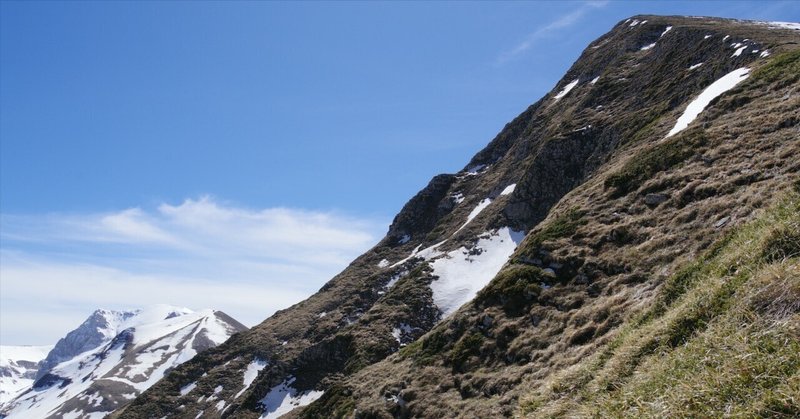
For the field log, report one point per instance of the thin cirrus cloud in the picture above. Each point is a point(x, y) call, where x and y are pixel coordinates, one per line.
point(562, 22)
point(200, 254)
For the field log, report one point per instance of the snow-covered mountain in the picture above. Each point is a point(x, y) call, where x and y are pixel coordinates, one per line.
point(18, 368)
point(98, 329)
point(114, 356)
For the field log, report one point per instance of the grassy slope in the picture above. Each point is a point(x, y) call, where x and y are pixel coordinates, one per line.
point(723, 338)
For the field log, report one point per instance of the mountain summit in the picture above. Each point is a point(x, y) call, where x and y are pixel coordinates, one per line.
point(568, 234)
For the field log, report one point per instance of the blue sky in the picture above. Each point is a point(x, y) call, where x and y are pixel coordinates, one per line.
point(236, 155)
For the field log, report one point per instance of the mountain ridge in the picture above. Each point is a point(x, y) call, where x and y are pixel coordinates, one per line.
point(611, 204)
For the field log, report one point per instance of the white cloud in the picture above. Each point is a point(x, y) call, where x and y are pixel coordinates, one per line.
point(561, 22)
point(131, 225)
point(56, 269)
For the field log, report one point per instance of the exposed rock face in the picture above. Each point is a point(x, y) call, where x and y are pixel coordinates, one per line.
point(572, 174)
point(96, 330)
point(129, 353)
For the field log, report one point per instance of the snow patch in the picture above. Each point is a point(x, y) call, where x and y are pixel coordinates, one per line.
point(284, 398)
point(188, 388)
point(509, 189)
point(474, 213)
point(669, 28)
point(725, 83)
point(398, 332)
point(250, 374)
point(594, 80)
point(693, 66)
point(739, 51)
point(463, 272)
point(383, 263)
point(707, 36)
point(764, 53)
point(393, 280)
point(458, 197)
point(567, 89)
point(647, 47)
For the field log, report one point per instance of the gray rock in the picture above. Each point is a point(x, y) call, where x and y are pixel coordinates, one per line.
point(722, 222)
point(488, 321)
point(653, 199)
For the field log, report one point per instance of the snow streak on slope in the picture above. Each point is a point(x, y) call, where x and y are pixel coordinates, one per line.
point(284, 398)
point(475, 211)
point(509, 189)
point(18, 366)
point(147, 345)
point(566, 89)
point(463, 272)
point(426, 253)
point(250, 374)
point(727, 82)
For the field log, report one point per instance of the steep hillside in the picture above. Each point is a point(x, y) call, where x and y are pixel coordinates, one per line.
point(722, 336)
point(124, 354)
point(666, 133)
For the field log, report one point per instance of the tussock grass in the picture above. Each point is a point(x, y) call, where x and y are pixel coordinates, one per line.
point(721, 340)
point(660, 157)
point(564, 225)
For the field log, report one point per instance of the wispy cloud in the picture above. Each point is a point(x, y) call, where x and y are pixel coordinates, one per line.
point(200, 253)
point(563, 21)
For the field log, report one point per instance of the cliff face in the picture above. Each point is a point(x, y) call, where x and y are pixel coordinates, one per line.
point(666, 133)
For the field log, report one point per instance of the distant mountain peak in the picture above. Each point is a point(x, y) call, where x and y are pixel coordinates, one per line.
point(115, 355)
